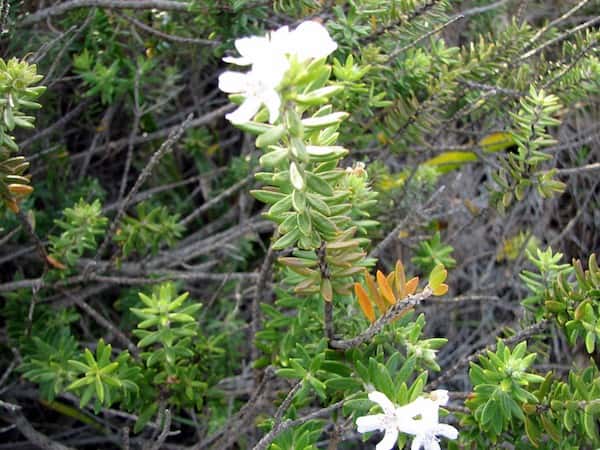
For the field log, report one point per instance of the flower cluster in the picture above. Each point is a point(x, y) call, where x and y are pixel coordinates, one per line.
point(419, 418)
point(269, 58)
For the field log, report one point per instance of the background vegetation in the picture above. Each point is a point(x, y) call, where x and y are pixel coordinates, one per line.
point(144, 304)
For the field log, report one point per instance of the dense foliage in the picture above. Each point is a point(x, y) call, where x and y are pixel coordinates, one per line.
point(395, 209)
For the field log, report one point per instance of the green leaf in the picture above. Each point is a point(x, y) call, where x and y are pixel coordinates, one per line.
point(437, 276)
point(271, 136)
point(287, 240)
point(274, 158)
point(296, 177)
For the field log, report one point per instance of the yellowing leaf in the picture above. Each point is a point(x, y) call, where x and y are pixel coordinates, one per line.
point(496, 142)
point(364, 302)
point(326, 290)
point(448, 161)
point(385, 288)
point(438, 275)
point(400, 279)
point(440, 290)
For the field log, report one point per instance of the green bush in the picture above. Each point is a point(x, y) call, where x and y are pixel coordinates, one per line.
point(183, 269)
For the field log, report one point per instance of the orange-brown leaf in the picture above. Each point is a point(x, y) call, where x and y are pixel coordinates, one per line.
point(55, 263)
point(20, 189)
point(411, 286)
point(364, 302)
point(12, 205)
point(385, 288)
point(383, 306)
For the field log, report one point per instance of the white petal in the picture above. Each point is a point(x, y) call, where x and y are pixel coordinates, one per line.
point(245, 112)
point(440, 397)
point(272, 101)
point(252, 47)
point(382, 400)
point(374, 422)
point(412, 409)
point(389, 440)
point(241, 61)
point(429, 411)
point(281, 40)
point(233, 82)
point(312, 40)
point(417, 442)
point(432, 444)
point(445, 430)
point(270, 71)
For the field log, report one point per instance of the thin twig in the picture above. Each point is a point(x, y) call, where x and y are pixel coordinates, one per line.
point(556, 21)
point(559, 38)
point(283, 426)
point(105, 323)
point(166, 428)
point(169, 37)
point(578, 170)
point(165, 148)
point(61, 8)
point(216, 200)
point(426, 35)
point(260, 292)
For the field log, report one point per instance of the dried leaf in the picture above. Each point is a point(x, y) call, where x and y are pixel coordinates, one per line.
point(385, 288)
point(364, 302)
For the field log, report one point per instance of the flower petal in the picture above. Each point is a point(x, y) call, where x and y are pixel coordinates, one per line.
point(412, 409)
point(270, 71)
point(445, 430)
point(245, 112)
point(382, 400)
point(312, 40)
point(365, 424)
point(418, 442)
point(233, 82)
point(390, 439)
point(272, 101)
point(252, 47)
point(440, 397)
point(240, 61)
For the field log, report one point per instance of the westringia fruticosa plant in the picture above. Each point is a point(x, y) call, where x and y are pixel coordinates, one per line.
point(17, 94)
point(278, 279)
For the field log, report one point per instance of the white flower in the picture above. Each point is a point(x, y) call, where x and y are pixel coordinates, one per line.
point(268, 57)
point(386, 422)
point(258, 87)
point(311, 40)
point(426, 428)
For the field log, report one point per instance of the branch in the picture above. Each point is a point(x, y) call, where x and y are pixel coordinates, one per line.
point(393, 313)
point(577, 170)
point(36, 438)
point(165, 148)
point(263, 278)
point(169, 37)
point(559, 38)
point(217, 200)
point(283, 426)
point(61, 8)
